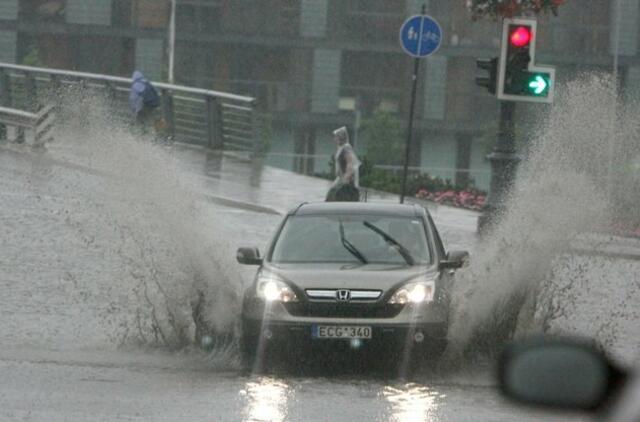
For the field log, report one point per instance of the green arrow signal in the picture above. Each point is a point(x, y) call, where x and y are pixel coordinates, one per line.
point(538, 85)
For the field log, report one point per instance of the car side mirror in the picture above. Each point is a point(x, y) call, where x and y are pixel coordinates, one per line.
point(248, 256)
point(559, 373)
point(455, 259)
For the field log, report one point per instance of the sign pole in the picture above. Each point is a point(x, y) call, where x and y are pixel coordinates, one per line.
point(420, 36)
point(407, 148)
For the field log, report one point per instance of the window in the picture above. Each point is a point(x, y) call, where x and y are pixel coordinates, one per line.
point(376, 20)
point(42, 10)
point(380, 87)
point(199, 15)
point(340, 238)
point(262, 17)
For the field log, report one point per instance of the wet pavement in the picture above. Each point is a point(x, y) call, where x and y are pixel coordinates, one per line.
point(84, 268)
point(243, 182)
point(160, 387)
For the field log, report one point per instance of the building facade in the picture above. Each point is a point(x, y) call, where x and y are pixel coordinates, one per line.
point(315, 65)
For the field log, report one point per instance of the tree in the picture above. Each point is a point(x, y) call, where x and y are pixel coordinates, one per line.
point(384, 139)
point(32, 58)
point(510, 8)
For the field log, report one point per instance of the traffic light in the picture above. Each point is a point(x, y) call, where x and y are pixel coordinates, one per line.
point(490, 81)
point(519, 79)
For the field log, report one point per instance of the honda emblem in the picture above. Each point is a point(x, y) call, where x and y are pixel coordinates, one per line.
point(343, 295)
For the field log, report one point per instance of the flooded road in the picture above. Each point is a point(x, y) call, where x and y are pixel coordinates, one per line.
point(136, 385)
point(97, 299)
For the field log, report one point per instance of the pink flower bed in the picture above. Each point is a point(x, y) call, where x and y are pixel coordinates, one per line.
point(626, 229)
point(463, 199)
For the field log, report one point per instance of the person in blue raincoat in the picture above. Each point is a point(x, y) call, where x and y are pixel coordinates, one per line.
point(143, 100)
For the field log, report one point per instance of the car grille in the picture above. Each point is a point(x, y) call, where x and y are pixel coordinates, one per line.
point(327, 309)
point(354, 295)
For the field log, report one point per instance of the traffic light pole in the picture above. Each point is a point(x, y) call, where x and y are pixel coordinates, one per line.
point(518, 78)
point(504, 162)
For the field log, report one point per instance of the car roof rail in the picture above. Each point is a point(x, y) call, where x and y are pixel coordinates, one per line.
point(420, 209)
point(295, 210)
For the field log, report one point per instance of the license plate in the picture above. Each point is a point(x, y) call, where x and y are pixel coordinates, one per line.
point(340, 331)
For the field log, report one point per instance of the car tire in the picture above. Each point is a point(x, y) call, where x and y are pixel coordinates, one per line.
point(248, 346)
point(436, 349)
point(422, 356)
point(433, 354)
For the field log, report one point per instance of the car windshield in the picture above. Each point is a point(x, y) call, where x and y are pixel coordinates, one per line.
point(352, 239)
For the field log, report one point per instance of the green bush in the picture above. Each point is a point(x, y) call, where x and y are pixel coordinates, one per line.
point(385, 144)
point(32, 58)
point(391, 181)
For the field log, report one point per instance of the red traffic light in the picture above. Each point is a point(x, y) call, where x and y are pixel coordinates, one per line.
point(520, 37)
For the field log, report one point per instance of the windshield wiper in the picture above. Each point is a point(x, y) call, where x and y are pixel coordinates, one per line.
point(404, 252)
point(349, 246)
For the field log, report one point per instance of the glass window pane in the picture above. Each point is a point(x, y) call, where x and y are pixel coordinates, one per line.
point(318, 239)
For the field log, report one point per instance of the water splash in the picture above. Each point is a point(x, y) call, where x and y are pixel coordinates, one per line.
point(174, 257)
point(564, 188)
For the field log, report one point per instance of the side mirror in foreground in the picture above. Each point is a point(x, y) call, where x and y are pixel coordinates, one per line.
point(249, 256)
point(558, 373)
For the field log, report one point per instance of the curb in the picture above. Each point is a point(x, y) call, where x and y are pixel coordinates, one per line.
point(233, 203)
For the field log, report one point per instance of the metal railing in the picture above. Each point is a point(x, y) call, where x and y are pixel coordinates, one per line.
point(33, 128)
point(214, 119)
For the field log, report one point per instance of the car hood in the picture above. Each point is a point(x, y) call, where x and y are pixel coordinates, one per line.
point(349, 276)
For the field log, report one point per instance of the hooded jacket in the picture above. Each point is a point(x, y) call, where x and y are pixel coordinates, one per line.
point(136, 99)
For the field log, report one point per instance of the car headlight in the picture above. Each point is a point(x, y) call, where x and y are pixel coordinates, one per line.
point(418, 292)
point(272, 288)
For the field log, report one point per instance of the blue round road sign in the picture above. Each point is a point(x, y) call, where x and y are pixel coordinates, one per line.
point(420, 36)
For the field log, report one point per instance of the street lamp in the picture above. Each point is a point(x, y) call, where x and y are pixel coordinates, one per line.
point(172, 41)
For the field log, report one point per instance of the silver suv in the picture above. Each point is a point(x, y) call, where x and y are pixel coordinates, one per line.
point(351, 275)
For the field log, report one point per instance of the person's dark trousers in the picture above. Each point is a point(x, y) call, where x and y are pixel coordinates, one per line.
point(343, 192)
point(144, 120)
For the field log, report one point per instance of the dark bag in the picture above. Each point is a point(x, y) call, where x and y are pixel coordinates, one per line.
point(150, 96)
point(344, 192)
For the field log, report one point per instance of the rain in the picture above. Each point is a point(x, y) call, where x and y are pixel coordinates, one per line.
point(377, 184)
